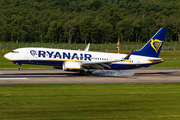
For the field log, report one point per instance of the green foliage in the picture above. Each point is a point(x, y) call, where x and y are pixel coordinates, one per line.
point(157, 101)
point(83, 21)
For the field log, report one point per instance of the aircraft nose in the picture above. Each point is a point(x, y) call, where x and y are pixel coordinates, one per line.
point(7, 56)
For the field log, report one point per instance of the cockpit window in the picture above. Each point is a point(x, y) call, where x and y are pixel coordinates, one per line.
point(15, 51)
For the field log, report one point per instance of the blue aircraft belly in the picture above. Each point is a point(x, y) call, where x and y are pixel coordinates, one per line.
point(122, 66)
point(60, 63)
point(127, 66)
point(40, 62)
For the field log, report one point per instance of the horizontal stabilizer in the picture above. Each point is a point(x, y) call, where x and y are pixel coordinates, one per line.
point(156, 59)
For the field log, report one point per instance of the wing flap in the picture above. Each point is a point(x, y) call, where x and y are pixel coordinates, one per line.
point(102, 64)
point(98, 65)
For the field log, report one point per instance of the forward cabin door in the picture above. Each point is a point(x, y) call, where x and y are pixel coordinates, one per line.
point(27, 53)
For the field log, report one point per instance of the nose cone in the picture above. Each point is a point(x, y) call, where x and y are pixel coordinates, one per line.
point(7, 56)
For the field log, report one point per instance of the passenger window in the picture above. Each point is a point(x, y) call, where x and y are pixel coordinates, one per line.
point(15, 51)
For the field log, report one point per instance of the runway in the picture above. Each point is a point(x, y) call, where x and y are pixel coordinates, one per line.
point(56, 76)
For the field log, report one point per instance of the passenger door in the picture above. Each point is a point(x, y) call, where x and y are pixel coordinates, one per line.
point(27, 52)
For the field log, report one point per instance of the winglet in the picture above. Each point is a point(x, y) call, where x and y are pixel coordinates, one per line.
point(127, 57)
point(87, 47)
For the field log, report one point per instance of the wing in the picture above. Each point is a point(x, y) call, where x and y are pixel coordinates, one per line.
point(102, 64)
point(98, 65)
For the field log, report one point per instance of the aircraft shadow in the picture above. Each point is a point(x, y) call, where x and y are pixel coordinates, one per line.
point(175, 73)
point(40, 75)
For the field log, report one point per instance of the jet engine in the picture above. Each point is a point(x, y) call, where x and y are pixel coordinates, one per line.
point(71, 66)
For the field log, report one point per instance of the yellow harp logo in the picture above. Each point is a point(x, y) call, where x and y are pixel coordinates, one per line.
point(156, 44)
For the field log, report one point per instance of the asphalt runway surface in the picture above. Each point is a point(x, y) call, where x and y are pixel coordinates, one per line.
point(56, 76)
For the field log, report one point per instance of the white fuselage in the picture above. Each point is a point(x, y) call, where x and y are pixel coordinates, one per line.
point(56, 57)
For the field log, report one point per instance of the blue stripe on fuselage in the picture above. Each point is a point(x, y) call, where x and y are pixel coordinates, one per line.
point(60, 63)
point(40, 62)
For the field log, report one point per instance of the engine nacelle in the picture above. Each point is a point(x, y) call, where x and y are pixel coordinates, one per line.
point(71, 66)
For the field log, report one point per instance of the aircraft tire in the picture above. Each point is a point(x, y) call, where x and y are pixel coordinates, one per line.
point(88, 73)
point(82, 72)
point(20, 69)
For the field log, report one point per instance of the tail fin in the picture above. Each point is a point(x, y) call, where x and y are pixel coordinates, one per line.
point(153, 47)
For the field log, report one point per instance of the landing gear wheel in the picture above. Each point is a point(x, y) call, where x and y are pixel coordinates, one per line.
point(20, 69)
point(82, 72)
point(88, 73)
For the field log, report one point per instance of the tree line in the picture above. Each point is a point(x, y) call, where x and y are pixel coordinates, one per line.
point(82, 21)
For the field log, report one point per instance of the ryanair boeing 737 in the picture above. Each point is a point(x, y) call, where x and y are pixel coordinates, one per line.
point(84, 61)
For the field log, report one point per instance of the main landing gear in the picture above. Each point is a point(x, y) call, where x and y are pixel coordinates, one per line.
point(88, 73)
point(82, 72)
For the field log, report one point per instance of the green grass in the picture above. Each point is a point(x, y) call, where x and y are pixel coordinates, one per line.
point(91, 101)
point(172, 62)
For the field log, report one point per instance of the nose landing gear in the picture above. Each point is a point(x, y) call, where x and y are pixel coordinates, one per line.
point(20, 69)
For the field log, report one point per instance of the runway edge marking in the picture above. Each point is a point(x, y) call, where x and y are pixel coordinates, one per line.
point(13, 78)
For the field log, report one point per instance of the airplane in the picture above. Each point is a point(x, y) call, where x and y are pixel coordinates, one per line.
point(86, 61)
